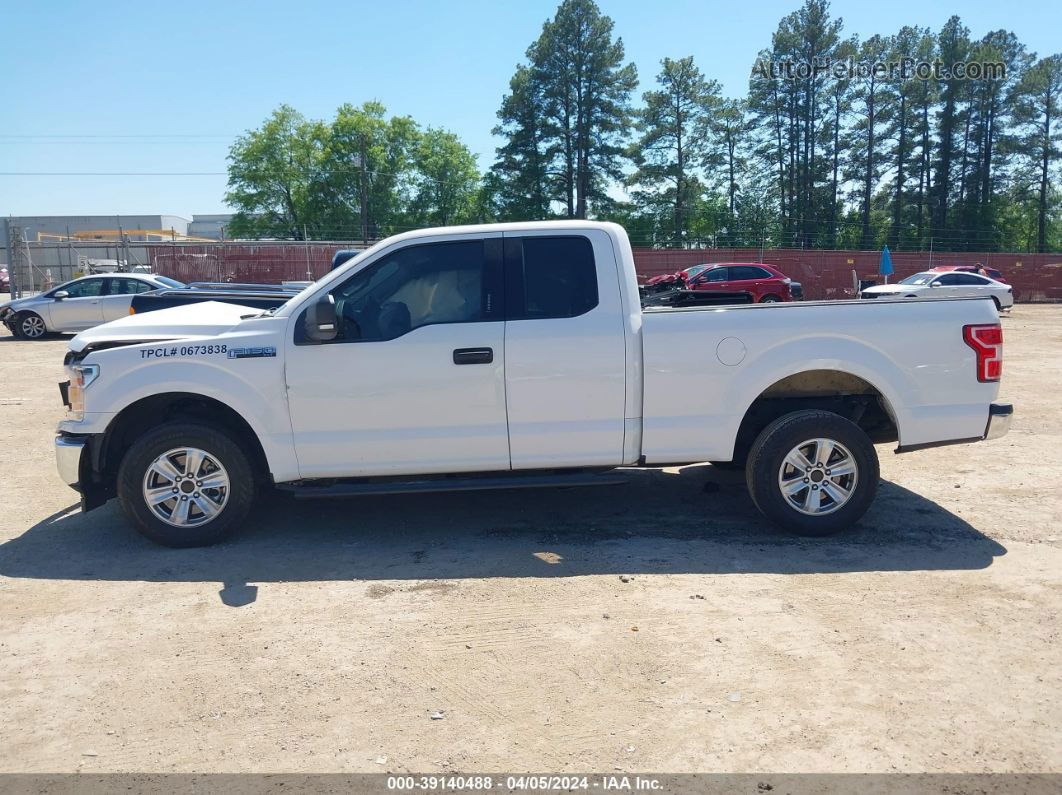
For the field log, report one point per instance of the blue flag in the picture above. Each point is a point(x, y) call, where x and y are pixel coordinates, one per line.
point(885, 268)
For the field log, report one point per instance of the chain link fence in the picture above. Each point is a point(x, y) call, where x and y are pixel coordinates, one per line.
point(38, 266)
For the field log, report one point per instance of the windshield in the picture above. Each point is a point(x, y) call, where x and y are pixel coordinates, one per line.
point(691, 272)
point(919, 278)
point(169, 282)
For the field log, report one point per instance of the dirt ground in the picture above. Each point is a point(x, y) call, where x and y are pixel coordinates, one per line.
point(661, 626)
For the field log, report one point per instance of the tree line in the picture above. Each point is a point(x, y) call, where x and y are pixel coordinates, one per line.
point(825, 150)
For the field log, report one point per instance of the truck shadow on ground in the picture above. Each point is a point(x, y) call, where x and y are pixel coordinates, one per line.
point(697, 519)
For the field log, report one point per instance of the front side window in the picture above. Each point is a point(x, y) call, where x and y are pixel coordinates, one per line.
point(86, 289)
point(412, 287)
point(717, 275)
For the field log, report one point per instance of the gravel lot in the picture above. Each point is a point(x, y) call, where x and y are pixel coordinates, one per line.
point(660, 626)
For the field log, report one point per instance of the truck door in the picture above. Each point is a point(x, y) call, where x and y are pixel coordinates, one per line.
point(565, 354)
point(414, 382)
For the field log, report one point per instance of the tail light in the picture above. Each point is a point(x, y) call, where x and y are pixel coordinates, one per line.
point(987, 342)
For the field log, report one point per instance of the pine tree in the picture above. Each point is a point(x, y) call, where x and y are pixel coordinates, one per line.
point(676, 126)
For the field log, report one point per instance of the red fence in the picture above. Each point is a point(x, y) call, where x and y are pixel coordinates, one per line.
point(269, 263)
point(828, 274)
point(824, 274)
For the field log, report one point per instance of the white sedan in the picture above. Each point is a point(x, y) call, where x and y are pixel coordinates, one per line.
point(952, 284)
point(79, 304)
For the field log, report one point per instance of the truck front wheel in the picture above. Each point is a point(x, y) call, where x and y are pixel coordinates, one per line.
point(813, 473)
point(186, 484)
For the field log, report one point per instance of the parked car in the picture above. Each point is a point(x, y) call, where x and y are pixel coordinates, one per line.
point(932, 284)
point(252, 299)
point(766, 283)
point(511, 356)
point(672, 281)
point(991, 273)
point(5, 281)
point(79, 304)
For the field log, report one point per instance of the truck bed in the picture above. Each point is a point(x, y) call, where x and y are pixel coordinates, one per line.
point(702, 364)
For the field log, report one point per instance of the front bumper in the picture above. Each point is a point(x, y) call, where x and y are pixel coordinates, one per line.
point(999, 417)
point(68, 453)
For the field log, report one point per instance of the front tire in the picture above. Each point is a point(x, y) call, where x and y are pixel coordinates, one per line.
point(813, 473)
point(186, 484)
point(31, 326)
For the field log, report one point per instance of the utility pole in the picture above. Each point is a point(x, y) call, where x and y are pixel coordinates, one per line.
point(364, 194)
point(20, 265)
point(12, 271)
point(309, 274)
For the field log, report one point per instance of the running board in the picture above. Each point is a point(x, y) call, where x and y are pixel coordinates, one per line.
point(358, 489)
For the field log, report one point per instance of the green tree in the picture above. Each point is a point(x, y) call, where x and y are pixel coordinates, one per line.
point(277, 177)
point(1038, 112)
point(874, 109)
point(578, 90)
point(953, 44)
point(521, 173)
point(369, 160)
point(675, 127)
point(445, 182)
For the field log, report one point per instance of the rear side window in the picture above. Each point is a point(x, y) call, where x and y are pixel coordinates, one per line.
point(747, 272)
point(549, 277)
point(948, 280)
point(129, 286)
point(969, 278)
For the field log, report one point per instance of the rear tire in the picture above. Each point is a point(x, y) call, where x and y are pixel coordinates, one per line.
point(770, 299)
point(833, 452)
point(182, 459)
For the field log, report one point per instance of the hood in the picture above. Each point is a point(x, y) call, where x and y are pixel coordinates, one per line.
point(19, 303)
point(191, 320)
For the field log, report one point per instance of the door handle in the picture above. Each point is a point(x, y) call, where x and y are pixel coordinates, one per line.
point(473, 355)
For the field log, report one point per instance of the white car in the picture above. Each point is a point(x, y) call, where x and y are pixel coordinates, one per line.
point(79, 304)
point(951, 284)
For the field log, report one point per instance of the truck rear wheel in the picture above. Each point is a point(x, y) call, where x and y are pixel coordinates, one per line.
point(813, 473)
point(186, 484)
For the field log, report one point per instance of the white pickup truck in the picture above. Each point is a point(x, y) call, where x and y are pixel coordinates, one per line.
point(510, 356)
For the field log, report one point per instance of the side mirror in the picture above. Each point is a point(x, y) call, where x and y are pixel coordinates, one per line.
point(321, 323)
point(59, 296)
point(934, 284)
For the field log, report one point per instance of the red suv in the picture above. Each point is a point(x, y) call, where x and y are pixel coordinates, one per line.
point(766, 283)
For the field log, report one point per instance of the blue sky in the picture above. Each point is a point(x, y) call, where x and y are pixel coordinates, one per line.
point(186, 77)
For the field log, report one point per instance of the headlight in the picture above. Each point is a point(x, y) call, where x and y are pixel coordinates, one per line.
point(81, 377)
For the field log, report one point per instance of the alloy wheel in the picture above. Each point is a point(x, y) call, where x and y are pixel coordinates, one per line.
point(818, 476)
point(186, 487)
